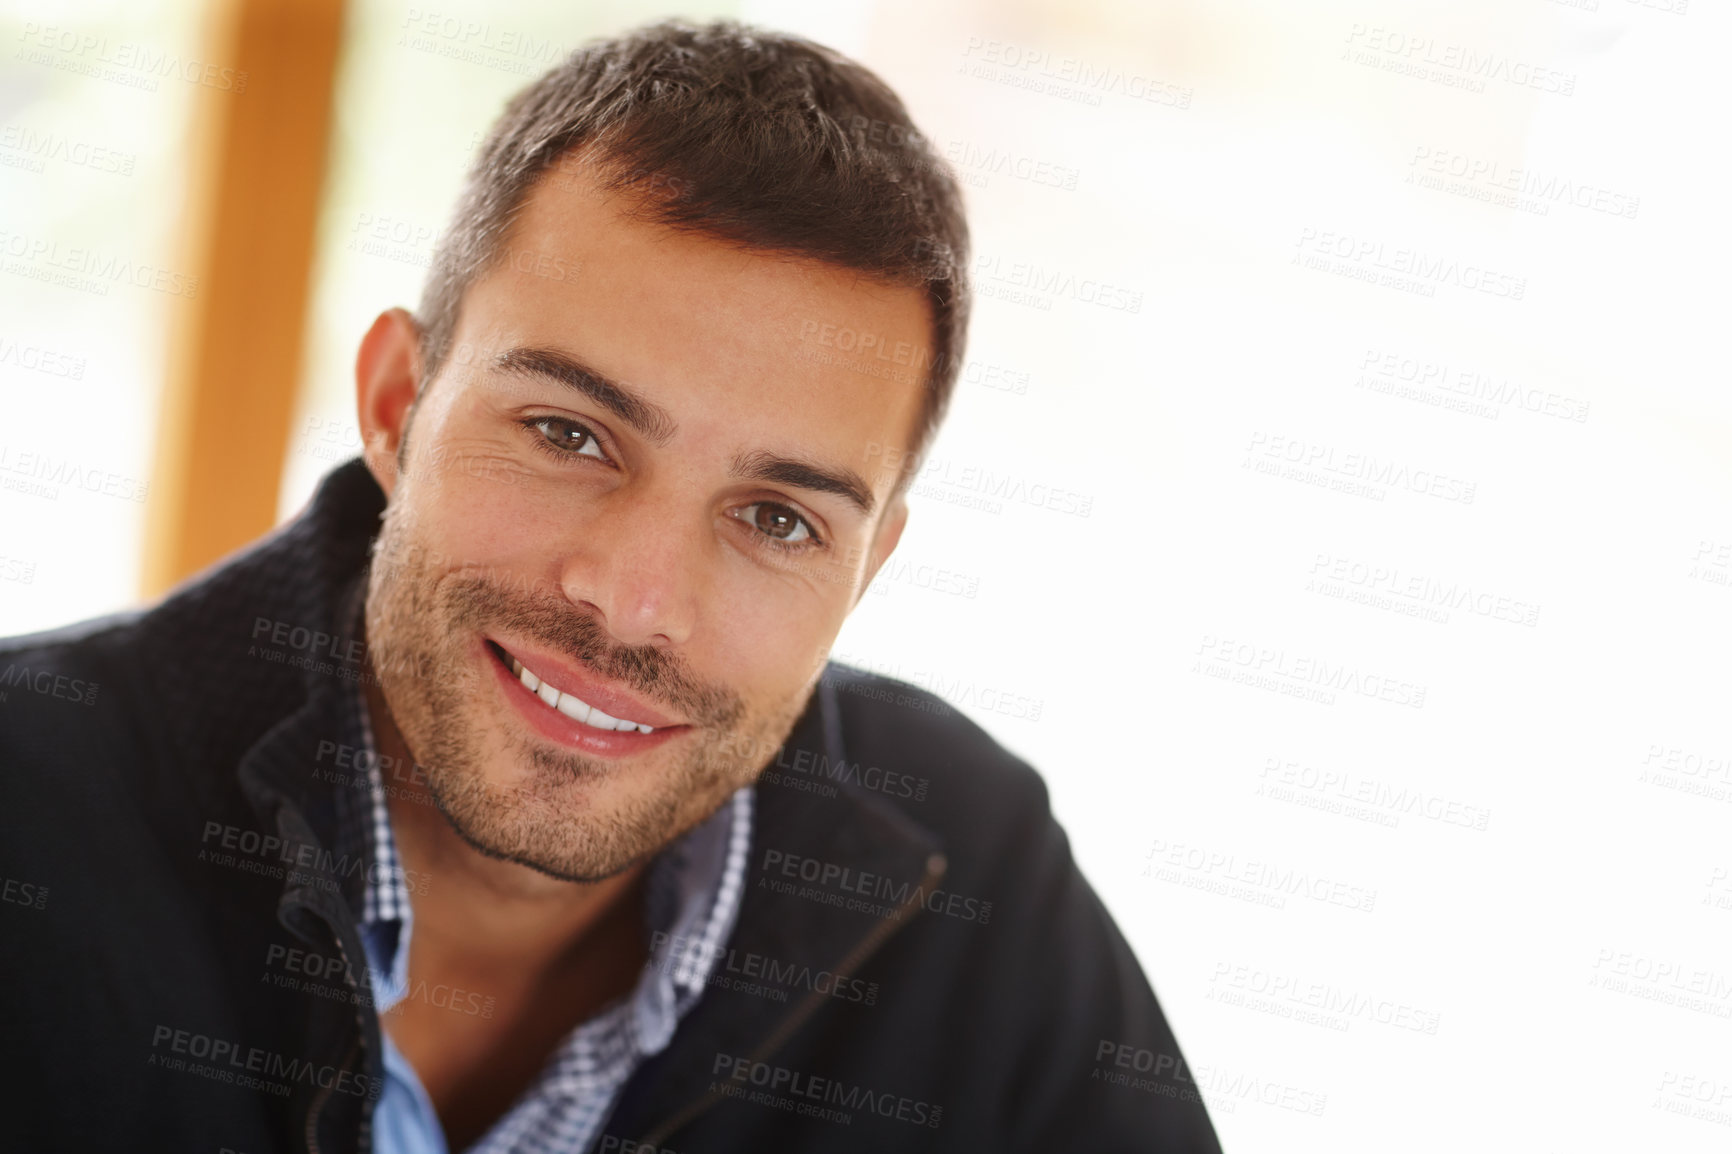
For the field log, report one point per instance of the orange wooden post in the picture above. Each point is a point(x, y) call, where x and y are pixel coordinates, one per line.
point(260, 146)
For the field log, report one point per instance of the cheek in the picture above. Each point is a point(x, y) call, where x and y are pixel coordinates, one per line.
point(477, 516)
point(766, 637)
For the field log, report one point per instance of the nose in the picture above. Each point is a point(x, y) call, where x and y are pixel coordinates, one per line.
point(637, 562)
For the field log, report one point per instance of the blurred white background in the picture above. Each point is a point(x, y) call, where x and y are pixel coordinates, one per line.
point(1383, 688)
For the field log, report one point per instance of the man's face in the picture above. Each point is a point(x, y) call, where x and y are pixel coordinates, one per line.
point(643, 477)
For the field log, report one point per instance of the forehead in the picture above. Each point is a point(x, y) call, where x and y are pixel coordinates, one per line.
point(735, 342)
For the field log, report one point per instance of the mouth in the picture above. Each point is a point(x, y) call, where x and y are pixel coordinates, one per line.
point(532, 683)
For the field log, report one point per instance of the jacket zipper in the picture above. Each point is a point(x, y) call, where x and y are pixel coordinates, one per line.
point(936, 864)
point(319, 1101)
point(324, 1093)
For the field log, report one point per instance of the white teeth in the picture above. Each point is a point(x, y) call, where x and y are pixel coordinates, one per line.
point(573, 707)
point(602, 721)
point(530, 680)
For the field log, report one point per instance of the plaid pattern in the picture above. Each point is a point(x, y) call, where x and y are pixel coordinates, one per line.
point(694, 891)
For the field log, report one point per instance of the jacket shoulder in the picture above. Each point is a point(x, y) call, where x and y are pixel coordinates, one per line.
point(53, 682)
point(170, 676)
point(960, 773)
point(179, 690)
point(1019, 968)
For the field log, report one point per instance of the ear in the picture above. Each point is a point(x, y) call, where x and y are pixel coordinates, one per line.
point(884, 541)
point(387, 381)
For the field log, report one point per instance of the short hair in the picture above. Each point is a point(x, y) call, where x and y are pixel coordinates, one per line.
point(767, 140)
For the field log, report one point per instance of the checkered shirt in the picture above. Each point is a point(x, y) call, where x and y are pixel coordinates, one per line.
point(694, 890)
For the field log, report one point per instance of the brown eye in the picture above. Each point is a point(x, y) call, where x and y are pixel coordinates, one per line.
point(777, 522)
point(568, 437)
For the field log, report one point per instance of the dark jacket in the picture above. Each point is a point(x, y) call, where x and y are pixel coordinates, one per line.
point(918, 964)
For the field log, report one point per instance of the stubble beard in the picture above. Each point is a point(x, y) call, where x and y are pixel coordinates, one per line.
point(548, 815)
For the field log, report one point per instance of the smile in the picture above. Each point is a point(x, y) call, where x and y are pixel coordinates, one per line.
point(571, 705)
point(625, 728)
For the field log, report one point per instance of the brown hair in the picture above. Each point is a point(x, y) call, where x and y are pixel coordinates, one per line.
point(768, 140)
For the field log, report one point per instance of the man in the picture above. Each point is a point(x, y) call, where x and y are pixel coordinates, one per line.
point(504, 800)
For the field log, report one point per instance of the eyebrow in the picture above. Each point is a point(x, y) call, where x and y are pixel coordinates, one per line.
point(763, 466)
point(642, 414)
